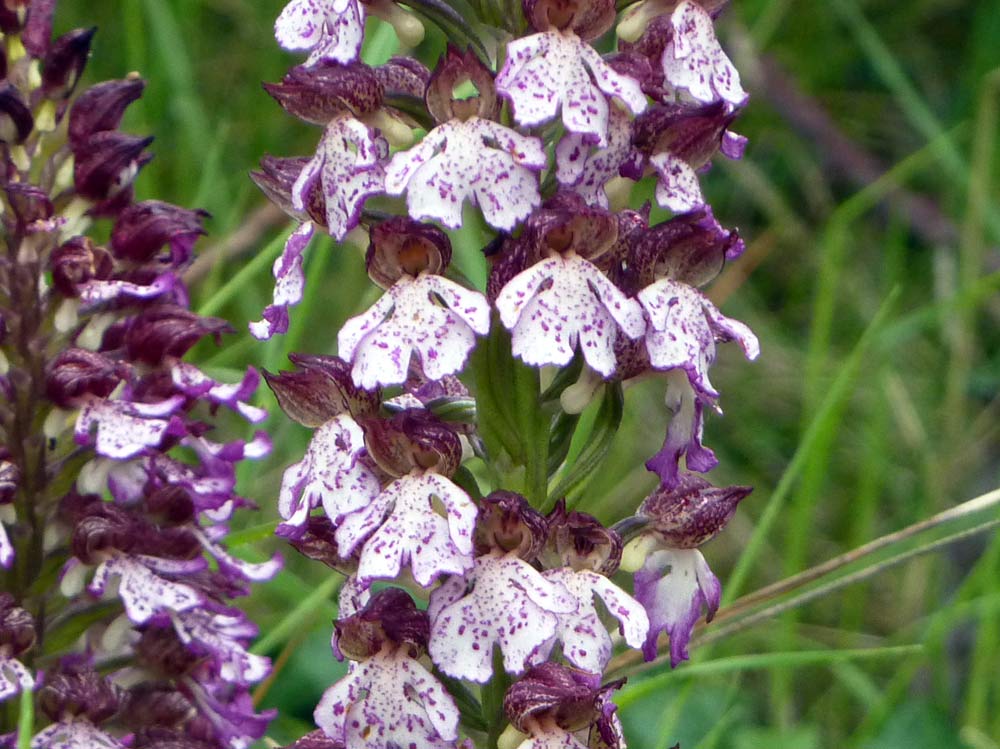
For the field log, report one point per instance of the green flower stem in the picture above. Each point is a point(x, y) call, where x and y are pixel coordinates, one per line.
point(26, 719)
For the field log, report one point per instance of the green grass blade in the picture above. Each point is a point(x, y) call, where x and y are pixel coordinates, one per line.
point(298, 617)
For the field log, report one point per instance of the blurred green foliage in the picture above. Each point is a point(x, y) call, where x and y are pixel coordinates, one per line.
point(844, 92)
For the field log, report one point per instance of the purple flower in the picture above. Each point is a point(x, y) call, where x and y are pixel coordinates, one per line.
point(562, 300)
point(428, 315)
point(124, 429)
point(408, 530)
point(330, 29)
point(477, 160)
point(348, 168)
point(684, 433)
point(221, 634)
point(502, 600)
point(586, 169)
point(74, 734)
point(17, 635)
point(552, 70)
point(142, 585)
point(331, 473)
point(693, 60)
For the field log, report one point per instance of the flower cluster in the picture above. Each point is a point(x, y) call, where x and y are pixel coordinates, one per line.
point(116, 488)
point(544, 141)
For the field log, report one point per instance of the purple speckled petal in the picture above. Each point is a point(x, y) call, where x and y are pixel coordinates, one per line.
point(674, 601)
point(193, 382)
point(458, 161)
point(353, 597)
point(677, 186)
point(125, 429)
point(408, 319)
point(143, 592)
point(510, 604)
point(683, 329)
point(552, 70)
point(684, 433)
point(415, 534)
point(14, 677)
point(733, 145)
point(585, 169)
point(257, 572)
point(289, 282)
point(552, 738)
point(585, 639)
point(222, 636)
point(332, 29)
point(579, 303)
point(694, 61)
point(388, 700)
point(74, 734)
point(348, 167)
point(330, 474)
point(6, 549)
point(93, 293)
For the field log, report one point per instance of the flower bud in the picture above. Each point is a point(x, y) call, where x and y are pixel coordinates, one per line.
point(107, 163)
point(691, 513)
point(322, 390)
point(65, 61)
point(390, 618)
point(100, 108)
point(551, 692)
point(318, 93)
point(143, 228)
point(16, 121)
point(168, 330)
point(400, 246)
point(28, 203)
point(453, 69)
point(77, 373)
point(17, 627)
point(413, 440)
point(588, 19)
point(80, 692)
point(509, 524)
point(319, 542)
point(578, 540)
point(77, 261)
point(149, 704)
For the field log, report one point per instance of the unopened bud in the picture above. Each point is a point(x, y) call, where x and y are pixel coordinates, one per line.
point(77, 373)
point(321, 390)
point(77, 261)
point(107, 163)
point(65, 62)
point(318, 93)
point(16, 121)
point(100, 108)
point(168, 330)
point(692, 512)
point(143, 228)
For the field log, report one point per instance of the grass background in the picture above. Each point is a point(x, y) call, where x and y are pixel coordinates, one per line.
point(869, 188)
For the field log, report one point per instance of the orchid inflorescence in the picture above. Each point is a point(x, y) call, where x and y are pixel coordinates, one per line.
point(117, 626)
point(465, 500)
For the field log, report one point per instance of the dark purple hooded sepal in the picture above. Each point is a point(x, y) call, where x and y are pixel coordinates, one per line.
point(10, 478)
point(168, 330)
point(65, 62)
point(276, 178)
point(320, 390)
point(76, 690)
point(400, 246)
point(100, 108)
point(588, 19)
point(391, 619)
point(28, 203)
point(318, 541)
point(17, 627)
point(691, 248)
point(77, 261)
point(453, 69)
point(143, 228)
point(578, 540)
point(148, 705)
point(16, 120)
point(403, 76)
point(107, 163)
point(316, 740)
point(690, 132)
point(76, 374)
point(164, 738)
point(318, 93)
point(413, 439)
point(37, 32)
point(509, 524)
point(692, 512)
point(554, 693)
